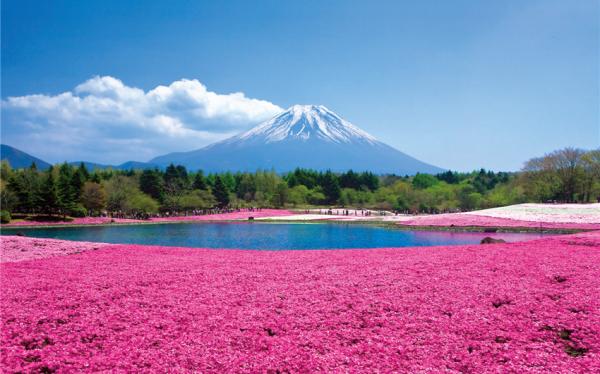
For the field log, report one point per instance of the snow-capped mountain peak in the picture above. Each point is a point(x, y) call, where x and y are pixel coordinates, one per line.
point(305, 136)
point(304, 123)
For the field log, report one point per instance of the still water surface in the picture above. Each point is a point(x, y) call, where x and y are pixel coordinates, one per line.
point(267, 236)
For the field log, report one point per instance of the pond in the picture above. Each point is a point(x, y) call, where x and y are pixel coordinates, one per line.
point(265, 236)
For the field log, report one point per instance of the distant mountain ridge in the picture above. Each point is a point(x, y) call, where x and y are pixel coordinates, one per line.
point(19, 159)
point(305, 136)
point(124, 166)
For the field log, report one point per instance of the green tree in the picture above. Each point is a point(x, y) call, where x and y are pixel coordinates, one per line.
point(355, 197)
point(369, 180)
point(151, 183)
point(197, 199)
point(449, 177)
point(298, 195)
point(469, 198)
point(25, 187)
point(49, 197)
point(591, 180)
point(221, 192)
point(93, 197)
point(402, 204)
point(78, 179)
point(123, 195)
point(280, 197)
point(331, 187)
point(140, 203)
point(246, 187)
point(229, 181)
point(350, 180)
point(422, 181)
point(316, 196)
point(302, 177)
point(82, 169)
point(505, 194)
point(557, 175)
point(118, 189)
point(199, 181)
point(8, 200)
point(176, 179)
point(5, 170)
point(67, 196)
point(176, 185)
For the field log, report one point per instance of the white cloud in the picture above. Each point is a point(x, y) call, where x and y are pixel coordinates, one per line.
point(103, 120)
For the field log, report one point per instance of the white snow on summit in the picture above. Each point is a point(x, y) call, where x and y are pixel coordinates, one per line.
point(304, 122)
point(303, 136)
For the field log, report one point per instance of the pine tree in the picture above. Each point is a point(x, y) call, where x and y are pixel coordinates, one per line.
point(25, 184)
point(49, 194)
point(369, 180)
point(84, 171)
point(78, 179)
point(176, 179)
point(151, 183)
point(331, 187)
point(221, 192)
point(350, 180)
point(95, 178)
point(199, 181)
point(67, 197)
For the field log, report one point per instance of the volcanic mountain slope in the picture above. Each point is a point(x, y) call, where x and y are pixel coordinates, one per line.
point(19, 159)
point(306, 136)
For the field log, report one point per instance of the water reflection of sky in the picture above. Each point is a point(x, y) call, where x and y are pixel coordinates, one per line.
point(268, 236)
point(457, 237)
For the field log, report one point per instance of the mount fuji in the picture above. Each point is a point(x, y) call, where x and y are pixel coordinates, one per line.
point(306, 136)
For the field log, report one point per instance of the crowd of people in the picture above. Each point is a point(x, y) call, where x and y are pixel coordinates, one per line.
point(212, 211)
point(166, 214)
point(349, 212)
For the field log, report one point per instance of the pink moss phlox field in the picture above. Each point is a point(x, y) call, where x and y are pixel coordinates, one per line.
point(243, 215)
point(20, 248)
point(74, 221)
point(522, 307)
point(472, 220)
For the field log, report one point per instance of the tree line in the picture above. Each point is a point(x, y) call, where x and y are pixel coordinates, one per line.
point(568, 175)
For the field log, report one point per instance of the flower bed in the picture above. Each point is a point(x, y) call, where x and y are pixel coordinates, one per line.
point(522, 307)
point(20, 248)
point(475, 220)
point(73, 221)
point(547, 213)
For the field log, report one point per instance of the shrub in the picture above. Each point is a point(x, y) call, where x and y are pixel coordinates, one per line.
point(5, 216)
point(78, 211)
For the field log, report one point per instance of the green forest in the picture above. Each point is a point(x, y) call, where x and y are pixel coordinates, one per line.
point(567, 175)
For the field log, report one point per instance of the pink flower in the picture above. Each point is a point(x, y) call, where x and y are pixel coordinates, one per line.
point(473, 220)
point(522, 307)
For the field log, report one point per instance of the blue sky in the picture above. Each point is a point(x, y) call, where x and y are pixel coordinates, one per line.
point(459, 84)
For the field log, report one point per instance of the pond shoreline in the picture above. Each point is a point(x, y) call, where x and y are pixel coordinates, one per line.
point(523, 218)
point(268, 236)
point(388, 224)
